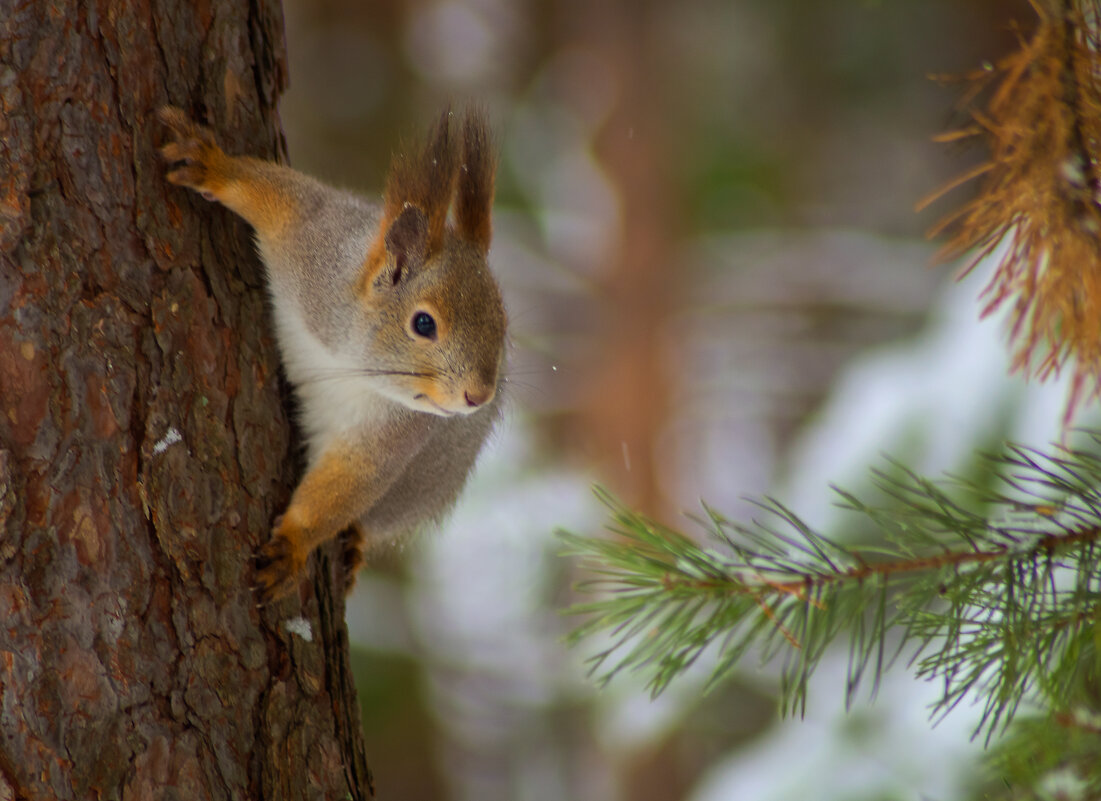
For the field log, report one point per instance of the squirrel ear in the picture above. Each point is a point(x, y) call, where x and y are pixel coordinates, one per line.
point(406, 244)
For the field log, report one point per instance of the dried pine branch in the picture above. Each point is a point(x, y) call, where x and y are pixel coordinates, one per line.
point(1038, 208)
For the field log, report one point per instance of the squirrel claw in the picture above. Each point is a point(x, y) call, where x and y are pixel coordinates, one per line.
point(183, 127)
point(278, 564)
point(352, 542)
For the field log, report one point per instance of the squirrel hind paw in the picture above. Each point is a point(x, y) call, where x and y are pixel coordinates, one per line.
point(278, 566)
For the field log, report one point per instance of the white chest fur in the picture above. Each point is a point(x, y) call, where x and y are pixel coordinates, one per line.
point(332, 391)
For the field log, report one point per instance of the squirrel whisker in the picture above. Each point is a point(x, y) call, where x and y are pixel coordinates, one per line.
point(319, 374)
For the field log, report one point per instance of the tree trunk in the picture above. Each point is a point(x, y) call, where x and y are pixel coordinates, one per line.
point(144, 446)
point(627, 406)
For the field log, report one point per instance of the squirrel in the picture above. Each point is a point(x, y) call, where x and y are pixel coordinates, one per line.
point(390, 326)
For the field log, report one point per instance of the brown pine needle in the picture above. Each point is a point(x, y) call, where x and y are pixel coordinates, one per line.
point(771, 615)
point(954, 136)
point(959, 180)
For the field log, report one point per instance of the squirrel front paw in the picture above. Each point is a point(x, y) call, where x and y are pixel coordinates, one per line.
point(279, 563)
point(193, 146)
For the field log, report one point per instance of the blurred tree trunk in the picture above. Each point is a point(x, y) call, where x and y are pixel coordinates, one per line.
point(144, 447)
point(627, 407)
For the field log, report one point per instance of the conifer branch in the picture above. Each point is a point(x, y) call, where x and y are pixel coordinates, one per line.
point(993, 592)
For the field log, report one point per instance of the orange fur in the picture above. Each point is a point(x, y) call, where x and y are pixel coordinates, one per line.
point(270, 212)
point(324, 503)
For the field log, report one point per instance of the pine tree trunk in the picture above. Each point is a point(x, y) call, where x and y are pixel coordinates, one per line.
point(628, 404)
point(144, 446)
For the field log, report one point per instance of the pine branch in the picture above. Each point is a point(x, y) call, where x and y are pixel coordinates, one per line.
point(999, 605)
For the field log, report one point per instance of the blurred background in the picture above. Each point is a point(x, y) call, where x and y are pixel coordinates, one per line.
point(718, 287)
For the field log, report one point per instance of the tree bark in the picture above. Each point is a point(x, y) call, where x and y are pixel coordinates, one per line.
point(144, 446)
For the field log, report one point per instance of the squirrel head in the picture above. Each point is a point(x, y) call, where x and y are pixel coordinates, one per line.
point(431, 303)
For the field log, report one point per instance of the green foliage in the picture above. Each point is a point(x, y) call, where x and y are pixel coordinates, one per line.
point(1053, 756)
point(991, 589)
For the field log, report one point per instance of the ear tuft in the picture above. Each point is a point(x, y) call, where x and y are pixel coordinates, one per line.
point(474, 201)
point(427, 178)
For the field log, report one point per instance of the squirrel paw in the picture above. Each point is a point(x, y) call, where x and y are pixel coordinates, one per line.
point(193, 146)
point(278, 565)
point(352, 541)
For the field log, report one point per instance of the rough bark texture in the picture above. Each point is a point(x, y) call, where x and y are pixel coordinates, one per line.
point(144, 446)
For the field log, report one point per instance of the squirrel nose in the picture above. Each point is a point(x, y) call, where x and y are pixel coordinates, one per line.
point(477, 397)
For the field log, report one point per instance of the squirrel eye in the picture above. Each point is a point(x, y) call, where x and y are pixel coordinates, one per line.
point(424, 325)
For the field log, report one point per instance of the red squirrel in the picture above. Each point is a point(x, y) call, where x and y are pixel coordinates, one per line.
point(390, 326)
